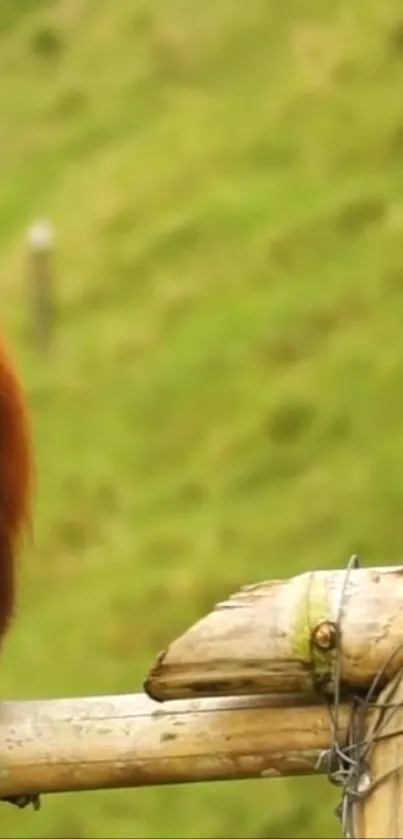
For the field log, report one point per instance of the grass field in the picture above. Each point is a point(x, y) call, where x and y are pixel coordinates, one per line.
point(224, 402)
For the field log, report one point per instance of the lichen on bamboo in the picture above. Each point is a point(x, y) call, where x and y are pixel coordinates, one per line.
point(286, 636)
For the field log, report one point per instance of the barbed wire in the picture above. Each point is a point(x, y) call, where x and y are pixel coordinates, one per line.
point(347, 765)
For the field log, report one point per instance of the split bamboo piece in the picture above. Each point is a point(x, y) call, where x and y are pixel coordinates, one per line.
point(282, 637)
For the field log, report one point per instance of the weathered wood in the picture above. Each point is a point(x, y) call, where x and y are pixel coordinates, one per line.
point(280, 636)
point(88, 743)
point(41, 283)
point(380, 812)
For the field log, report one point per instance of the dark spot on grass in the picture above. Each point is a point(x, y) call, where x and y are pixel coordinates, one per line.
point(174, 240)
point(191, 494)
point(395, 38)
point(305, 338)
point(73, 533)
point(359, 213)
point(70, 102)
point(291, 419)
point(393, 280)
point(396, 141)
point(46, 42)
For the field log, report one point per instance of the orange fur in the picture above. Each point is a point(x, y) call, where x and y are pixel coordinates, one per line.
point(16, 477)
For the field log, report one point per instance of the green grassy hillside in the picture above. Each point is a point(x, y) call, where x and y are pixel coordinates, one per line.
point(224, 401)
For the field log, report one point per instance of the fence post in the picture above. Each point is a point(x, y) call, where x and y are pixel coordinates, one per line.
point(380, 812)
point(41, 283)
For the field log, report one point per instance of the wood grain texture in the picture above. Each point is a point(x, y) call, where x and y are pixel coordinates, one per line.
point(380, 813)
point(264, 638)
point(129, 741)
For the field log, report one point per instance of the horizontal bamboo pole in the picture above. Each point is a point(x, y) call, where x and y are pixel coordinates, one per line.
point(282, 636)
point(62, 745)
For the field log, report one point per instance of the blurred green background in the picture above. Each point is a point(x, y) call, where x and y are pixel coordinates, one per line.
point(224, 401)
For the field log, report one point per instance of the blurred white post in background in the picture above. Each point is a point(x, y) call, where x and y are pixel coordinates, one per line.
point(41, 245)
